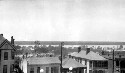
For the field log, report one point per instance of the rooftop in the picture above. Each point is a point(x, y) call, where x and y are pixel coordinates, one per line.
point(90, 56)
point(43, 60)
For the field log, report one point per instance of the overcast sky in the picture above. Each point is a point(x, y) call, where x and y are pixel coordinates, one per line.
point(63, 20)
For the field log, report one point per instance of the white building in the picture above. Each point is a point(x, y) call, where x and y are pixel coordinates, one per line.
point(41, 65)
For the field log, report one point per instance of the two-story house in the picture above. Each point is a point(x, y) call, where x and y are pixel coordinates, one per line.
point(6, 55)
point(94, 62)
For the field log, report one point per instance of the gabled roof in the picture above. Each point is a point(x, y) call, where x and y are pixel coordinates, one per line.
point(68, 62)
point(94, 56)
point(43, 60)
point(90, 56)
point(3, 41)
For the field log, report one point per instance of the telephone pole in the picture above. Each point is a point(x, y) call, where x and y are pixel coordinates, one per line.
point(62, 43)
point(113, 61)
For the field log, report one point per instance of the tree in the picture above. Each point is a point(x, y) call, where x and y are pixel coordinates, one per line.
point(41, 50)
point(121, 46)
point(16, 65)
point(57, 51)
point(37, 43)
point(18, 47)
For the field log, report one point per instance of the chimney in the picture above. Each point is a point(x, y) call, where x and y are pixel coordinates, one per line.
point(79, 49)
point(1, 34)
point(12, 40)
point(87, 50)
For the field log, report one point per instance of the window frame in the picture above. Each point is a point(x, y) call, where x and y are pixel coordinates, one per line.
point(5, 55)
point(4, 68)
point(47, 69)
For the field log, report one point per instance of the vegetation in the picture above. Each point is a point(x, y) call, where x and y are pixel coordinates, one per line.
point(16, 65)
point(39, 48)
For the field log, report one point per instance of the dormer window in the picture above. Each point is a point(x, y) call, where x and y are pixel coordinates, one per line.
point(5, 55)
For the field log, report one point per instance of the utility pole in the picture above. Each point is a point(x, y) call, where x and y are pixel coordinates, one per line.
point(113, 61)
point(62, 43)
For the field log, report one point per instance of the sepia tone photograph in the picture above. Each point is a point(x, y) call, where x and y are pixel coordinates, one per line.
point(62, 36)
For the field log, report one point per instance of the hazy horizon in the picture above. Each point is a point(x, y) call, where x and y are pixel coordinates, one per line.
point(63, 20)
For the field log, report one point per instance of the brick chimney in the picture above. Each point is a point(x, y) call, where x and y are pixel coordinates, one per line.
point(87, 50)
point(79, 49)
point(12, 40)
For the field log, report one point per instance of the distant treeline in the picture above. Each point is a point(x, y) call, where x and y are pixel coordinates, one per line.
point(70, 43)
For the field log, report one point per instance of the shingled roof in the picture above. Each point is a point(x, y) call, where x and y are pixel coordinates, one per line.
point(90, 56)
point(68, 62)
point(43, 60)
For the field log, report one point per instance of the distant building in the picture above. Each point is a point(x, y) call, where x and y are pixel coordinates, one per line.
point(41, 65)
point(6, 55)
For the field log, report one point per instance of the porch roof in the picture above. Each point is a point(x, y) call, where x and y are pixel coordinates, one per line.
point(67, 63)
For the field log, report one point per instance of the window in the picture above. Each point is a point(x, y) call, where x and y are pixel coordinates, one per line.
point(99, 64)
point(12, 54)
point(38, 69)
point(5, 69)
point(54, 69)
point(31, 70)
point(90, 64)
point(95, 64)
point(106, 64)
point(80, 60)
point(5, 55)
point(47, 69)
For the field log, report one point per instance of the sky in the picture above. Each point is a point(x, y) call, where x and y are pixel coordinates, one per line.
point(63, 20)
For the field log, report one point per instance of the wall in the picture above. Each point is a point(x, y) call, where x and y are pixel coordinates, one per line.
point(87, 66)
point(6, 62)
point(24, 65)
point(110, 66)
point(43, 67)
